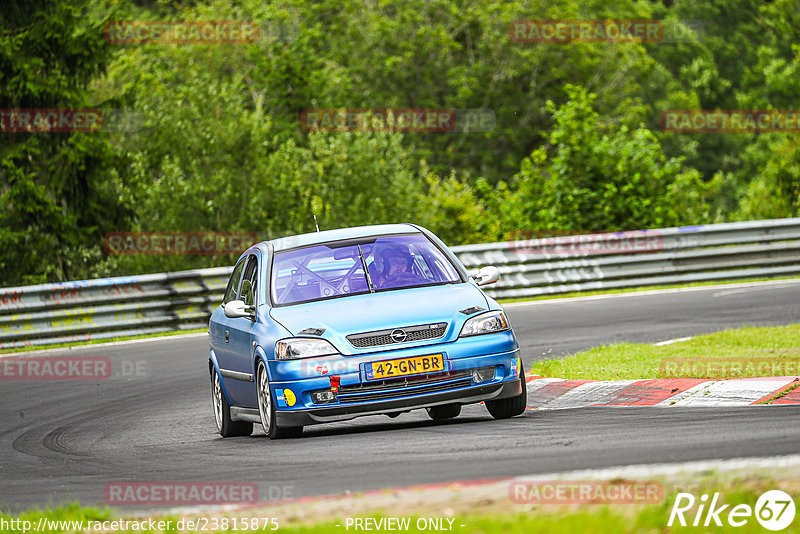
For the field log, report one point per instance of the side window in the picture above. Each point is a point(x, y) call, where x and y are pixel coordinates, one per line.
point(233, 283)
point(249, 282)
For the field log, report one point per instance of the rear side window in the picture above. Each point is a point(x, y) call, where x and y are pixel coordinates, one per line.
point(249, 282)
point(233, 283)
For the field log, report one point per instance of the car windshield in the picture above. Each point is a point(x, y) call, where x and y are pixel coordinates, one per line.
point(336, 270)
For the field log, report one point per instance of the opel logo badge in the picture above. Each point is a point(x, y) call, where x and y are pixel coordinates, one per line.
point(398, 336)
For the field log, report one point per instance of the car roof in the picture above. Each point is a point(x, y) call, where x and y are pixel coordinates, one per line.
point(314, 238)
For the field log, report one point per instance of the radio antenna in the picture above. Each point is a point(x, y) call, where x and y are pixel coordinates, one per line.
point(315, 221)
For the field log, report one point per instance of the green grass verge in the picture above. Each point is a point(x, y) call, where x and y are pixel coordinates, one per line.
point(72, 512)
point(100, 341)
point(638, 289)
point(599, 520)
point(738, 353)
point(503, 517)
point(602, 520)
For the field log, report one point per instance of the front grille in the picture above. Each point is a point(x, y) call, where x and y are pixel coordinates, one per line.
point(405, 334)
point(401, 387)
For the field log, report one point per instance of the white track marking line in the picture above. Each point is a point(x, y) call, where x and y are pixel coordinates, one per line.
point(651, 292)
point(740, 290)
point(671, 341)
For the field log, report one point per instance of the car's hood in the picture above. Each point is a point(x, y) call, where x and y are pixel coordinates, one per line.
point(378, 311)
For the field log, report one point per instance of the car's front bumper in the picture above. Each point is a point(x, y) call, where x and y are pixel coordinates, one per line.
point(336, 412)
point(495, 356)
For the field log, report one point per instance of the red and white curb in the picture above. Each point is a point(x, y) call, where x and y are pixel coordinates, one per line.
point(558, 393)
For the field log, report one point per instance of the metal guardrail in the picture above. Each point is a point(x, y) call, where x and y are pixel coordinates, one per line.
point(754, 249)
point(111, 307)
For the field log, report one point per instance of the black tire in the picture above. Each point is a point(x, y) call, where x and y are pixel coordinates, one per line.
point(226, 427)
point(444, 411)
point(266, 407)
point(512, 406)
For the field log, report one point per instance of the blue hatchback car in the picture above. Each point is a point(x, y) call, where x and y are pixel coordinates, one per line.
point(332, 325)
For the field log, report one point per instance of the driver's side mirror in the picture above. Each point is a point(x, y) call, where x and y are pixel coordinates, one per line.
point(487, 275)
point(237, 308)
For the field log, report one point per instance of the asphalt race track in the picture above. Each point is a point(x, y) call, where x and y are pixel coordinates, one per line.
point(62, 441)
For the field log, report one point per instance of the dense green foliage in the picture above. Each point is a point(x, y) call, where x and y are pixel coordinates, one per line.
point(217, 144)
point(56, 202)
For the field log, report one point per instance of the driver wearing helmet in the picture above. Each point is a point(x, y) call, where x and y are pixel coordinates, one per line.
point(393, 266)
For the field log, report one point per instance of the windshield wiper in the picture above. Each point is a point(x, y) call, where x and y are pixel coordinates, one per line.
point(366, 270)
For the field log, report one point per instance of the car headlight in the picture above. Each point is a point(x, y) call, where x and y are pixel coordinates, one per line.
point(485, 323)
point(300, 347)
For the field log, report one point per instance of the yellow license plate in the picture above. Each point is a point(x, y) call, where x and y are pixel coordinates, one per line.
point(404, 366)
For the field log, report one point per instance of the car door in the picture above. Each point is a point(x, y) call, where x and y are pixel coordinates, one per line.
point(240, 339)
point(219, 325)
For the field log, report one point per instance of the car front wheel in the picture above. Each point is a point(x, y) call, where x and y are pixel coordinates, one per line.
point(266, 407)
point(226, 427)
point(512, 406)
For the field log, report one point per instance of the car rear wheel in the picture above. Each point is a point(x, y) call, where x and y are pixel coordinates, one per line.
point(266, 407)
point(445, 411)
point(226, 427)
point(505, 408)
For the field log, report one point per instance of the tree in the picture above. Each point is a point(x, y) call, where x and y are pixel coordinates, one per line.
point(596, 176)
point(55, 203)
